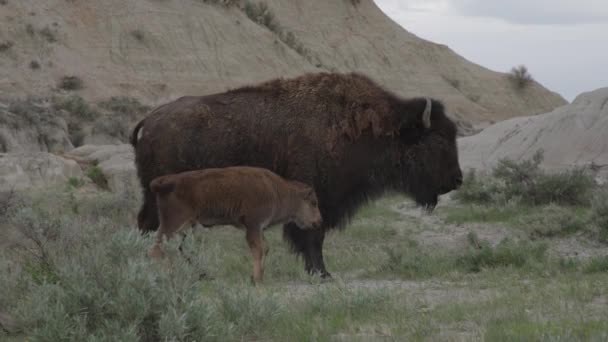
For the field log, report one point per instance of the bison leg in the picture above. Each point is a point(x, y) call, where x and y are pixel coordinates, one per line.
point(256, 245)
point(308, 243)
point(147, 219)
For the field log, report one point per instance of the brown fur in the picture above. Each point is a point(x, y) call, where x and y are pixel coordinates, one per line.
point(247, 197)
point(341, 133)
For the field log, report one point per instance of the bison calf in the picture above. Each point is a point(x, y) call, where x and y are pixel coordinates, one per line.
point(245, 197)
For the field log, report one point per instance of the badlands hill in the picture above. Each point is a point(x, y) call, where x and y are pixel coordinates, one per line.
point(157, 50)
point(575, 135)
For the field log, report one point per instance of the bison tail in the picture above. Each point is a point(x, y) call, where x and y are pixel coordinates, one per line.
point(133, 137)
point(162, 186)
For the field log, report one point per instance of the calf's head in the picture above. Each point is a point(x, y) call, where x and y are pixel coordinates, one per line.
point(307, 214)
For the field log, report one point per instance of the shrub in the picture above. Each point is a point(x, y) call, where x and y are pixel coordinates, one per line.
point(506, 254)
point(76, 106)
point(124, 106)
point(71, 83)
point(34, 65)
point(29, 28)
point(96, 175)
point(553, 221)
point(481, 255)
point(6, 45)
point(112, 126)
point(477, 189)
point(520, 76)
point(526, 183)
point(49, 34)
point(225, 3)
point(138, 35)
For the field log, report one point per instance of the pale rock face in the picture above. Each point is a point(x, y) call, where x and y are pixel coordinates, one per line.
point(571, 135)
point(197, 47)
point(115, 161)
point(20, 171)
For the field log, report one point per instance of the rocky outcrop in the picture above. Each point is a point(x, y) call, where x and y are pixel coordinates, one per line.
point(115, 162)
point(159, 50)
point(572, 135)
point(25, 170)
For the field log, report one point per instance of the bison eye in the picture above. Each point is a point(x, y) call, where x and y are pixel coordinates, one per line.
point(314, 203)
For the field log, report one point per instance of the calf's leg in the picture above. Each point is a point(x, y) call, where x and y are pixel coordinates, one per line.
point(171, 221)
point(254, 240)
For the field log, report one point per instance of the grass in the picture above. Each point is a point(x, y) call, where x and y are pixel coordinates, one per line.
point(76, 269)
point(96, 175)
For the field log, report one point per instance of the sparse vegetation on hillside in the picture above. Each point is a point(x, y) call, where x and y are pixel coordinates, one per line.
point(124, 106)
point(34, 65)
point(138, 35)
point(520, 76)
point(71, 83)
point(76, 106)
point(49, 34)
point(225, 3)
point(6, 45)
point(260, 13)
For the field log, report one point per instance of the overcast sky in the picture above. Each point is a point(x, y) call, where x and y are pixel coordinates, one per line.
point(564, 43)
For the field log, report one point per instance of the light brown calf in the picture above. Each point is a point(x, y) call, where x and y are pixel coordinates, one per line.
point(245, 197)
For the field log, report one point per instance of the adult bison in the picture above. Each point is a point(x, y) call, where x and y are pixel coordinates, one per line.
point(341, 133)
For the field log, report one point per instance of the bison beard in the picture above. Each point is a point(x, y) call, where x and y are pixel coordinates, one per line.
point(341, 133)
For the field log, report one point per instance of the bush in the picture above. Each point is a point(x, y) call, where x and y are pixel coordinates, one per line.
point(5, 46)
point(506, 254)
point(112, 126)
point(49, 34)
point(34, 65)
point(477, 189)
point(124, 106)
point(520, 76)
point(526, 183)
point(138, 35)
point(71, 83)
point(76, 106)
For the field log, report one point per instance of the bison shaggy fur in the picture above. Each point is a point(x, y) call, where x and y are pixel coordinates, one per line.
point(343, 134)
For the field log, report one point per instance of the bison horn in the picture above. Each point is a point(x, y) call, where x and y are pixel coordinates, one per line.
point(426, 115)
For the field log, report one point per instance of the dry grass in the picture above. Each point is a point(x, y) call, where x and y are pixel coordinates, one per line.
point(80, 272)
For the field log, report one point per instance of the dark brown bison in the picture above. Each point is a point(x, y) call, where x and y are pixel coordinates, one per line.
point(245, 197)
point(341, 133)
